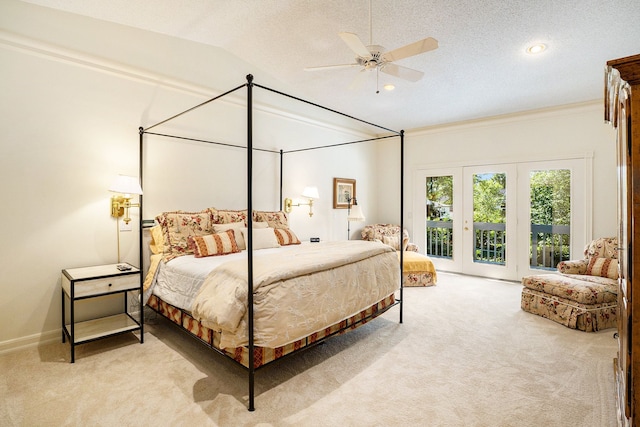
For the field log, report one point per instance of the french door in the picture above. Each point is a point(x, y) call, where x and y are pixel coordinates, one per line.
point(489, 221)
point(555, 207)
point(502, 220)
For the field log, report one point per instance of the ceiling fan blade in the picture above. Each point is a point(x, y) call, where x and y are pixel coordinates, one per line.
point(402, 72)
point(355, 44)
point(411, 49)
point(331, 67)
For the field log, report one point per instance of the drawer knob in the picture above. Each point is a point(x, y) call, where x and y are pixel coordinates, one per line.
point(109, 284)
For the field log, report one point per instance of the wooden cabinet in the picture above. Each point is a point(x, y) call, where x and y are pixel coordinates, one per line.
point(94, 282)
point(622, 110)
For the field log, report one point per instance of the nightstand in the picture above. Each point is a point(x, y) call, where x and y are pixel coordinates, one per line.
point(95, 282)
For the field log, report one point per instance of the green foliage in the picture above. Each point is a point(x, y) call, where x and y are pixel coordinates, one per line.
point(439, 197)
point(489, 198)
point(551, 197)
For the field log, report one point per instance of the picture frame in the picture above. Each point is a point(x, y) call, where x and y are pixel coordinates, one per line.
point(343, 190)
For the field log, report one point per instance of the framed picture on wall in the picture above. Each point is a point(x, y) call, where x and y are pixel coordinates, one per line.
point(344, 189)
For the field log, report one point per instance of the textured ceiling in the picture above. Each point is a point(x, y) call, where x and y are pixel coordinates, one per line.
point(480, 68)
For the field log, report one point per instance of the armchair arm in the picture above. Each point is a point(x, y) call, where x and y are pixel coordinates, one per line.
point(573, 266)
point(412, 247)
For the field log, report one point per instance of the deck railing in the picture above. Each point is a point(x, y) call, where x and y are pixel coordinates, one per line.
point(439, 239)
point(490, 243)
point(549, 243)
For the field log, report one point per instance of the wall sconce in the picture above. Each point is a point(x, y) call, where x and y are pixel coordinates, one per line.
point(310, 193)
point(354, 214)
point(126, 186)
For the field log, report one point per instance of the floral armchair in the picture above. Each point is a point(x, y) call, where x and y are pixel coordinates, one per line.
point(389, 234)
point(418, 269)
point(599, 260)
point(582, 294)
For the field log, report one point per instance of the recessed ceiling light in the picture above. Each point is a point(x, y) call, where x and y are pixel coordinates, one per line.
point(536, 48)
point(389, 86)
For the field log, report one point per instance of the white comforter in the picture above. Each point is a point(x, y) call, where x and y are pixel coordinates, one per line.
point(297, 292)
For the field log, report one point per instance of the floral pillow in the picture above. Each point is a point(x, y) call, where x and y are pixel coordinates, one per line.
point(219, 216)
point(275, 219)
point(178, 226)
point(603, 267)
point(213, 244)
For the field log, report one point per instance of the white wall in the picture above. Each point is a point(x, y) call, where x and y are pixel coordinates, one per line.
point(74, 92)
point(540, 135)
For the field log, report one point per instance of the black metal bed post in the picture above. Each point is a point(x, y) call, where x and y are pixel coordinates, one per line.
point(140, 240)
point(401, 219)
point(281, 174)
point(252, 369)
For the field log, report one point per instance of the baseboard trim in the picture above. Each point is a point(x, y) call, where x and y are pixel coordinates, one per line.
point(10, 346)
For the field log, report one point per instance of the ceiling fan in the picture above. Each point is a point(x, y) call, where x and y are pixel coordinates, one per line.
point(374, 57)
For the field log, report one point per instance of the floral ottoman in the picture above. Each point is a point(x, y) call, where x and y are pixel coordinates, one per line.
point(583, 302)
point(417, 270)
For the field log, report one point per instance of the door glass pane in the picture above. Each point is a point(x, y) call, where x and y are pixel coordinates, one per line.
point(439, 218)
point(550, 217)
point(489, 217)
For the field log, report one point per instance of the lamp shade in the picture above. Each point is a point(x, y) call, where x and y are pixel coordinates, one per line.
point(126, 185)
point(355, 214)
point(311, 193)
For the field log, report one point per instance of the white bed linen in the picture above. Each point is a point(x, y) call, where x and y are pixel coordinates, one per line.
point(179, 280)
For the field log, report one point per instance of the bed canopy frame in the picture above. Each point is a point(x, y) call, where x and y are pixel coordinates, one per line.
point(250, 85)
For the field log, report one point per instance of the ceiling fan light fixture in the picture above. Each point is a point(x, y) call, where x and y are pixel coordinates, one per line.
point(375, 57)
point(389, 87)
point(536, 48)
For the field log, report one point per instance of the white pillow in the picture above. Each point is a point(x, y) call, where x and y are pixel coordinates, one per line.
point(263, 238)
point(237, 228)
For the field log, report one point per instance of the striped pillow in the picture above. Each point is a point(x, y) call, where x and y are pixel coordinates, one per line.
point(286, 237)
point(214, 244)
point(603, 267)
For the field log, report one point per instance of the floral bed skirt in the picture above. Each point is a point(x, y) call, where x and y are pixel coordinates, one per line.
point(263, 355)
point(574, 315)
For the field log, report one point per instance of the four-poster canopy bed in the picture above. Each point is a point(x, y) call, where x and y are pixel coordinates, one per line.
point(234, 303)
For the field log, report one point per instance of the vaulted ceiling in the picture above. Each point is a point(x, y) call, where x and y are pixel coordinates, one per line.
point(480, 68)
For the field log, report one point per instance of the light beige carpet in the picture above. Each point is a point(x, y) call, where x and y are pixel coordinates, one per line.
point(466, 355)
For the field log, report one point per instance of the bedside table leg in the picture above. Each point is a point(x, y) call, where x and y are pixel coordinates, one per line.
point(63, 336)
point(72, 320)
point(141, 318)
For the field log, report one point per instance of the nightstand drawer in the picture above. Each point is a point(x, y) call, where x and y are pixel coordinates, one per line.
point(102, 286)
